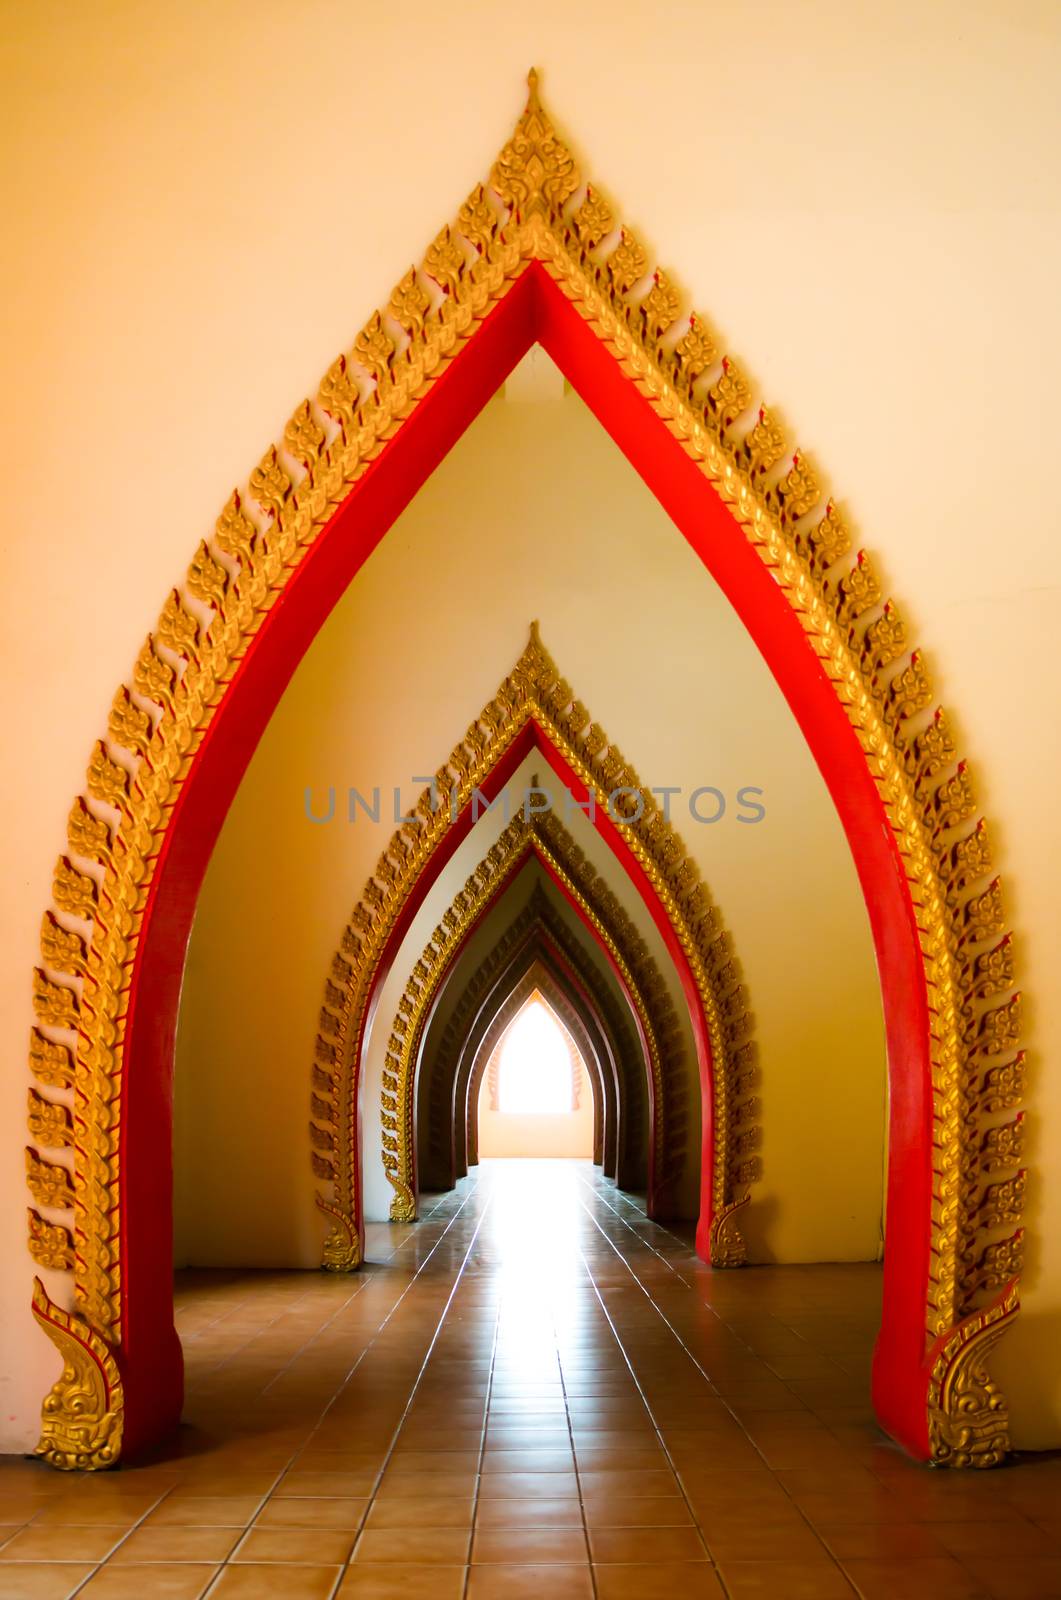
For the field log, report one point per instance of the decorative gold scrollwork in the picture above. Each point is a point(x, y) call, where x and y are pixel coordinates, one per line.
point(727, 1244)
point(968, 1419)
point(82, 1416)
point(50, 1244)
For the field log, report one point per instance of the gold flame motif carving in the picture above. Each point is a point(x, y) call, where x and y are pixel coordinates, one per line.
point(538, 209)
point(968, 1418)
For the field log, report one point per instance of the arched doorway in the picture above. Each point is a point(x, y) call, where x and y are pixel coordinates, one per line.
point(179, 737)
point(534, 1098)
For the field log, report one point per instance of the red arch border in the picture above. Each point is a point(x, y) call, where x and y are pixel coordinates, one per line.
point(533, 310)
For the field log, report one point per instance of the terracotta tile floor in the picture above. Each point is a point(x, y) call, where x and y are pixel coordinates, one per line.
point(535, 1392)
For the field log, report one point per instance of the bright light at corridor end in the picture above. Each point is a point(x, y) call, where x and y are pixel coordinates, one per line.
point(535, 1070)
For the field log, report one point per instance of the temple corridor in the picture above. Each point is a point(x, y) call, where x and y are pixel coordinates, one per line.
point(532, 1392)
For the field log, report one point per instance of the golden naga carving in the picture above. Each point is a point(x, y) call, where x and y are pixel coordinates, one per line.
point(547, 837)
point(82, 1415)
point(727, 1246)
point(968, 1418)
point(537, 209)
point(533, 691)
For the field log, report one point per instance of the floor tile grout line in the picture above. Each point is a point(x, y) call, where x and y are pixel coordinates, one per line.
point(578, 1476)
point(644, 1399)
point(99, 1566)
point(220, 1365)
point(416, 1384)
point(482, 1441)
point(359, 1286)
point(410, 1240)
point(677, 1336)
point(223, 1566)
point(690, 1284)
point(605, 1200)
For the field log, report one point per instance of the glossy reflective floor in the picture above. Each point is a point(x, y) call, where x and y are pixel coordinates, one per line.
point(532, 1393)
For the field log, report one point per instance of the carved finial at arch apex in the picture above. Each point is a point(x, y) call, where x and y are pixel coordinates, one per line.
point(535, 172)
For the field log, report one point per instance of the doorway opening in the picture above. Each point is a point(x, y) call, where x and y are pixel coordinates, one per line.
point(536, 1099)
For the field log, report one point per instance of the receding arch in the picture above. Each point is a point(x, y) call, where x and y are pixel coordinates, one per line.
point(541, 933)
point(442, 1144)
point(543, 964)
point(548, 840)
point(583, 1070)
point(442, 1133)
point(536, 709)
point(536, 986)
point(539, 258)
point(602, 1037)
point(542, 972)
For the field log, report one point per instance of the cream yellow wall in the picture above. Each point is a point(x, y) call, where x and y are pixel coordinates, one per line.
point(535, 1136)
point(204, 201)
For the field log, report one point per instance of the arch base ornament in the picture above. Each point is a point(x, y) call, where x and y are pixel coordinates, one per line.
point(727, 1242)
point(968, 1415)
point(82, 1414)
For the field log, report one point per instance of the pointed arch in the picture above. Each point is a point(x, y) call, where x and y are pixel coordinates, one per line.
point(443, 1138)
point(537, 257)
point(536, 984)
point(536, 709)
point(548, 840)
point(540, 932)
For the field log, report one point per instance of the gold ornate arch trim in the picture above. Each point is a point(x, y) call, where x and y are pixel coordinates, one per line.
point(538, 218)
point(640, 976)
point(533, 699)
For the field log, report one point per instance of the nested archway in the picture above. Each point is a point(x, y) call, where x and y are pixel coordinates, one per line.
point(622, 1099)
point(536, 938)
point(538, 994)
point(539, 935)
point(537, 258)
point(651, 1008)
point(536, 1071)
point(535, 709)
